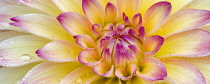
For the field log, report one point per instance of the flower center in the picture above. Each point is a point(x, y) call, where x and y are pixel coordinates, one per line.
point(120, 48)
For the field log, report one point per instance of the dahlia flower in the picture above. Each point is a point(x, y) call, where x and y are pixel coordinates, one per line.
point(104, 41)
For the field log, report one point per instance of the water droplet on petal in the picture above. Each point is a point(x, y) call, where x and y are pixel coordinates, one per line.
point(25, 57)
point(79, 80)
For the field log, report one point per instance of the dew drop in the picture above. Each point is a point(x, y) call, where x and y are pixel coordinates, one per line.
point(25, 57)
point(79, 80)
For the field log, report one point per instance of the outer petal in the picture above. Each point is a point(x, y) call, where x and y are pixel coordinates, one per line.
point(178, 4)
point(94, 11)
point(7, 12)
point(202, 64)
point(184, 20)
point(79, 76)
point(60, 51)
point(156, 15)
point(44, 5)
point(42, 25)
point(152, 69)
point(49, 72)
point(69, 5)
point(75, 23)
point(182, 72)
point(13, 75)
point(9, 34)
point(193, 43)
point(7, 2)
point(20, 50)
point(198, 4)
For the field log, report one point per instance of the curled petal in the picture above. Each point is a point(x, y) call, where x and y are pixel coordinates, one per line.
point(75, 23)
point(89, 57)
point(85, 41)
point(111, 12)
point(36, 24)
point(152, 69)
point(79, 76)
point(126, 19)
point(69, 5)
point(193, 43)
point(156, 15)
point(44, 5)
point(185, 20)
point(49, 72)
point(60, 51)
point(152, 44)
point(183, 72)
point(20, 50)
point(94, 11)
point(142, 33)
point(104, 70)
point(97, 31)
point(137, 20)
point(126, 74)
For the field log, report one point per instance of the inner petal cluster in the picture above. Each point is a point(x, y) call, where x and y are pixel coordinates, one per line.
point(122, 50)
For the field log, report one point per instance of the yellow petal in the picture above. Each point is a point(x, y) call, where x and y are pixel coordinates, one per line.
point(42, 25)
point(49, 72)
point(194, 43)
point(69, 5)
point(178, 4)
point(145, 4)
point(44, 5)
point(202, 64)
point(20, 50)
point(182, 72)
point(183, 20)
point(79, 76)
point(60, 51)
point(13, 75)
point(94, 11)
point(198, 4)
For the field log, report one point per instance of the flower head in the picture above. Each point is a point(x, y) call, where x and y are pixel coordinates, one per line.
point(110, 41)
